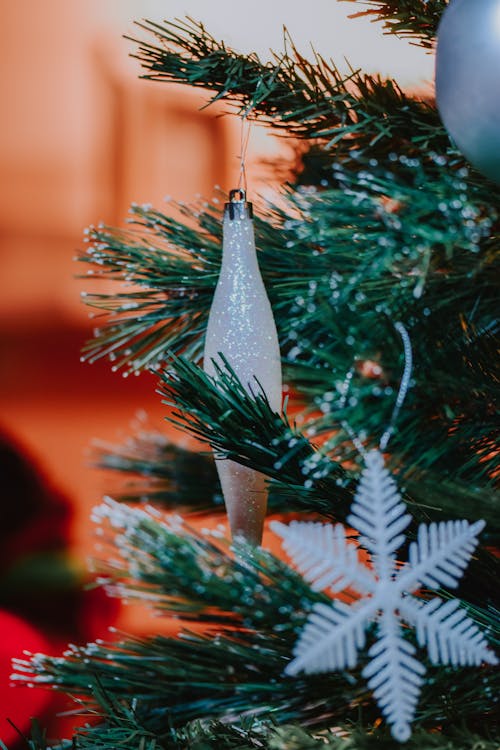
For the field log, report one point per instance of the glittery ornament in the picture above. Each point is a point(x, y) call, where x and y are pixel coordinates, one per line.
point(468, 80)
point(241, 327)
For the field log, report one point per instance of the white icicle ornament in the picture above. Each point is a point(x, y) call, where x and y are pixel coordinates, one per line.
point(242, 328)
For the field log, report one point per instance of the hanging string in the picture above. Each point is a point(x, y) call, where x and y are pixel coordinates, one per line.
point(244, 139)
point(403, 390)
point(404, 386)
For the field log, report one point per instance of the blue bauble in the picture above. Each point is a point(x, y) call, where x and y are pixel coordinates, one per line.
point(468, 80)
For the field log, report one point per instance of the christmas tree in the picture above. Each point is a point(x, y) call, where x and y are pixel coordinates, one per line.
point(380, 265)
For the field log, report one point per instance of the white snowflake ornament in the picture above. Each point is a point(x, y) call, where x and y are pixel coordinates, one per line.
point(333, 634)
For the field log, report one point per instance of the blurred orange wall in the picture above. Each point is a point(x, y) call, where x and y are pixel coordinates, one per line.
point(80, 138)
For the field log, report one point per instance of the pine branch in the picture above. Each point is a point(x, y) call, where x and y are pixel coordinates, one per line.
point(245, 429)
point(429, 268)
point(122, 729)
point(410, 259)
point(155, 315)
point(235, 669)
point(157, 470)
point(307, 99)
point(192, 575)
point(413, 19)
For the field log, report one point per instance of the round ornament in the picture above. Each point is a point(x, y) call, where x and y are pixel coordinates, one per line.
point(468, 80)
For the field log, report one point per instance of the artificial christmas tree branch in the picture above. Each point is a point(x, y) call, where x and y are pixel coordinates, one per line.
point(194, 575)
point(400, 238)
point(244, 429)
point(157, 471)
point(121, 728)
point(253, 605)
point(175, 681)
point(414, 19)
point(161, 472)
point(217, 413)
point(412, 262)
point(306, 99)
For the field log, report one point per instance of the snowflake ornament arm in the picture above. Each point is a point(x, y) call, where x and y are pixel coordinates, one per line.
point(333, 634)
point(324, 557)
point(379, 515)
point(395, 676)
point(440, 555)
point(449, 635)
point(331, 638)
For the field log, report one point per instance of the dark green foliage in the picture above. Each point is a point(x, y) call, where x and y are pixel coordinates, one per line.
point(245, 429)
point(123, 730)
point(156, 313)
point(405, 260)
point(159, 471)
point(192, 574)
point(37, 739)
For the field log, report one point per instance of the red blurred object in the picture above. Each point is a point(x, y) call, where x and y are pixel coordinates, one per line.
point(42, 601)
point(18, 706)
point(34, 515)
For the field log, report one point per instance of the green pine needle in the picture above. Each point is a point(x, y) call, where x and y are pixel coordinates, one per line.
point(414, 19)
point(307, 99)
point(336, 293)
point(157, 470)
point(253, 606)
point(123, 730)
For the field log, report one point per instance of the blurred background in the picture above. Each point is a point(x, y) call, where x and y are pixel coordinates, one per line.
point(81, 137)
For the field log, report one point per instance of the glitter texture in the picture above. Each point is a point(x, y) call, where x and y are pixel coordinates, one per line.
point(241, 326)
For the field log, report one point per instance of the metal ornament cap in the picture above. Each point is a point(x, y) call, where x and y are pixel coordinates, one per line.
point(238, 207)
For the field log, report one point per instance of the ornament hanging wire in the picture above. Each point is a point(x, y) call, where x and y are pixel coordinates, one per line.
point(402, 392)
point(244, 139)
point(237, 206)
point(403, 387)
